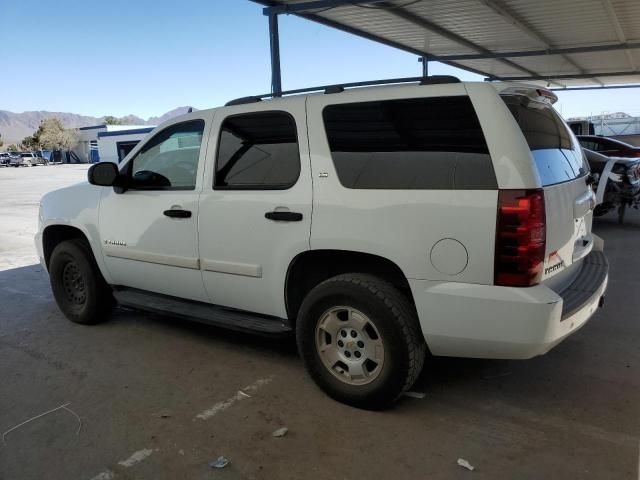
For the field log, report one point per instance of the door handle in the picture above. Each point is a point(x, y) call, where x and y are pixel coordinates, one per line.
point(284, 216)
point(177, 213)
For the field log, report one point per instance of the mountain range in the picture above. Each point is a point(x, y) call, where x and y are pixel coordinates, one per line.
point(15, 126)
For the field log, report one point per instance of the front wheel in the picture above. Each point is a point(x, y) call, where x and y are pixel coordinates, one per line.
point(360, 340)
point(78, 286)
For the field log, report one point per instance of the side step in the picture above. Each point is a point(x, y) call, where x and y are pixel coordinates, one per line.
point(202, 312)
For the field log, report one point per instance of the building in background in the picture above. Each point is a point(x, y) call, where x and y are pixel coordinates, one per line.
point(619, 125)
point(114, 145)
point(107, 142)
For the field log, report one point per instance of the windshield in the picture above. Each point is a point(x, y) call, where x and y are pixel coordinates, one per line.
point(557, 154)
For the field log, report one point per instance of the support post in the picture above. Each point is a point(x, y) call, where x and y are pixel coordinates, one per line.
point(274, 38)
point(425, 65)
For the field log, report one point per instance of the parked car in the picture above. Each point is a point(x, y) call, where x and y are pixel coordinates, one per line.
point(621, 184)
point(374, 223)
point(28, 159)
point(35, 158)
point(608, 146)
point(5, 159)
point(18, 161)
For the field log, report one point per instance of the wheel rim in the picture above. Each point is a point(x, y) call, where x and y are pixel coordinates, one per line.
point(349, 345)
point(73, 283)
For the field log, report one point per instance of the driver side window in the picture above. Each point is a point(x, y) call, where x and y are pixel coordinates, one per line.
point(169, 161)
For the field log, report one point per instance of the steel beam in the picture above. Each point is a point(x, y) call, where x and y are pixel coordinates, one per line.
point(576, 76)
point(535, 53)
point(608, 6)
point(274, 40)
point(408, 16)
point(425, 65)
point(497, 7)
point(308, 7)
point(382, 41)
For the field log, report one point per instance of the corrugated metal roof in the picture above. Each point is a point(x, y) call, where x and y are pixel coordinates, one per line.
point(445, 29)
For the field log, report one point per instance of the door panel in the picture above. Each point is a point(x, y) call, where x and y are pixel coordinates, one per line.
point(146, 246)
point(145, 249)
point(245, 255)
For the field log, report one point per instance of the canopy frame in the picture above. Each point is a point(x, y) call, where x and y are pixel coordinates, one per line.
point(311, 9)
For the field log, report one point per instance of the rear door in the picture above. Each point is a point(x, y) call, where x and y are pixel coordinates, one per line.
point(255, 209)
point(563, 170)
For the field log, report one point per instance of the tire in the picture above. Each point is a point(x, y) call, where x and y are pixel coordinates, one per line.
point(372, 308)
point(78, 286)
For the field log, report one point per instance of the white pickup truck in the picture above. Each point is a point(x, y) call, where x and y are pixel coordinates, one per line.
point(379, 224)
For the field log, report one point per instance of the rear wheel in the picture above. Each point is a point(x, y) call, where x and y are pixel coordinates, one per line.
point(78, 286)
point(360, 340)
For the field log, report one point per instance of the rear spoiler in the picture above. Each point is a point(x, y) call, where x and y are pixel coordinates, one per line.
point(535, 94)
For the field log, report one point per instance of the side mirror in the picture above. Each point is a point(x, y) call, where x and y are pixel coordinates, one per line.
point(103, 174)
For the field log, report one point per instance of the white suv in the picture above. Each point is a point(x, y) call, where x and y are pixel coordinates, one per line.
point(377, 223)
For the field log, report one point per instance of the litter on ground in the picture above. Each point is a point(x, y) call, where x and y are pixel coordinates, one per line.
point(219, 462)
point(465, 464)
point(281, 432)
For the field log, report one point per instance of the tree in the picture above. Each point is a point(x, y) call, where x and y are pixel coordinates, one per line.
point(52, 135)
point(12, 148)
point(30, 142)
point(1, 142)
point(111, 120)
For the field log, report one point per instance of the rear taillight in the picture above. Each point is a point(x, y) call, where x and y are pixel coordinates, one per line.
point(520, 238)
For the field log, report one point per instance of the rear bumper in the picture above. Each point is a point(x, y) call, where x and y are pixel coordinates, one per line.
point(486, 321)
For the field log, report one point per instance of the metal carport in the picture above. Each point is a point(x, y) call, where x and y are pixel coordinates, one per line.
point(566, 44)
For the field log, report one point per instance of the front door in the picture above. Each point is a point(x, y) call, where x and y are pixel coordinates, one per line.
point(255, 208)
point(149, 232)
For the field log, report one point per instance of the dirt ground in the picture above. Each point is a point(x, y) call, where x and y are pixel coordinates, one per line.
point(150, 397)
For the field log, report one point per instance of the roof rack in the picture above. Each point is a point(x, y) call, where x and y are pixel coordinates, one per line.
point(242, 101)
point(340, 87)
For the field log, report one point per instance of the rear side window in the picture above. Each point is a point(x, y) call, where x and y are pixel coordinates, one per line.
point(558, 158)
point(258, 151)
point(422, 143)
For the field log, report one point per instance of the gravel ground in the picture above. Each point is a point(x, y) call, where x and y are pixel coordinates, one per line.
point(160, 398)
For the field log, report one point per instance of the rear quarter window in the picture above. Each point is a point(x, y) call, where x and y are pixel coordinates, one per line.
point(557, 155)
point(422, 143)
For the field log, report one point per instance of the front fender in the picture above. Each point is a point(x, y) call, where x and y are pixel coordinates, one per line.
point(77, 206)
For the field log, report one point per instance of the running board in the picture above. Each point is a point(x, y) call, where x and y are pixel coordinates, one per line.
point(202, 312)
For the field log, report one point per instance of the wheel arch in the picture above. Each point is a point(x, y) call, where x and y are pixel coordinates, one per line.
point(53, 235)
point(312, 267)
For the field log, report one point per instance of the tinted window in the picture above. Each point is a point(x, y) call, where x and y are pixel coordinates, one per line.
point(587, 144)
point(609, 145)
point(424, 143)
point(258, 151)
point(170, 158)
point(557, 158)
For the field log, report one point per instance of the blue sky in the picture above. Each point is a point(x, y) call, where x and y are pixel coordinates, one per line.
point(145, 57)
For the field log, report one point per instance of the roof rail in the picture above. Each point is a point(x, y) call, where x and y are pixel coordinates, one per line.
point(243, 100)
point(339, 87)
